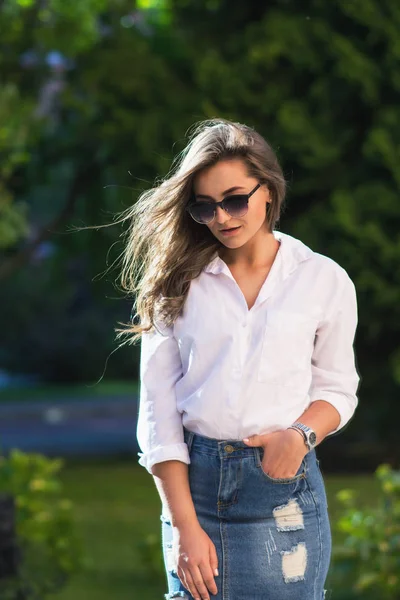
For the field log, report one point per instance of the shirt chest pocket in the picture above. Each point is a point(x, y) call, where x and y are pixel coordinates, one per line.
point(287, 347)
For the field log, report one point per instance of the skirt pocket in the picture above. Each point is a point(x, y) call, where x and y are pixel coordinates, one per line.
point(301, 472)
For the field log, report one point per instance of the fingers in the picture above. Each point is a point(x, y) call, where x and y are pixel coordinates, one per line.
point(252, 441)
point(256, 439)
point(195, 584)
point(208, 578)
point(280, 475)
point(188, 582)
point(199, 580)
point(213, 560)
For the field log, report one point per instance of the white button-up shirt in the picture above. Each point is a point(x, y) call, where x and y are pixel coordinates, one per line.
point(228, 372)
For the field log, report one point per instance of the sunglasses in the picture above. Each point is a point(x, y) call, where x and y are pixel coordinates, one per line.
point(236, 205)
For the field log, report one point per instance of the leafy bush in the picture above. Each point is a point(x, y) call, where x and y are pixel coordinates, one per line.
point(367, 564)
point(50, 550)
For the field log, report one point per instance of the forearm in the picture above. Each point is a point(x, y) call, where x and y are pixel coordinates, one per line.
point(322, 417)
point(172, 482)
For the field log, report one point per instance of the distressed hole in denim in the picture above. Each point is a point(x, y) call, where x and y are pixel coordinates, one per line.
point(176, 595)
point(289, 517)
point(305, 498)
point(270, 546)
point(170, 558)
point(165, 519)
point(294, 563)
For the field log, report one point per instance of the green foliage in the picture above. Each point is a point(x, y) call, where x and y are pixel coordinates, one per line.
point(51, 549)
point(13, 222)
point(321, 82)
point(69, 27)
point(14, 137)
point(319, 79)
point(367, 564)
point(32, 27)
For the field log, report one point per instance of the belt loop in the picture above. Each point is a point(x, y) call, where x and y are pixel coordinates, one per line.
point(189, 439)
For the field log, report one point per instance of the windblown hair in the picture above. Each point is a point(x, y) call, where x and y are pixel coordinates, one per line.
point(165, 248)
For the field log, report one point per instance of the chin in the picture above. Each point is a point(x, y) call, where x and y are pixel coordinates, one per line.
point(232, 243)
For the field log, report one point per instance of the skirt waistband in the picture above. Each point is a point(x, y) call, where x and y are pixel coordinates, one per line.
point(226, 448)
point(223, 448)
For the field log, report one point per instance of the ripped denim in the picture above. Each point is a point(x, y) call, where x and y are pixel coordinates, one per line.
point(272, 536)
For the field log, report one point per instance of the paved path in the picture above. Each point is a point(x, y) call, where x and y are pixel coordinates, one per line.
point(70, 426)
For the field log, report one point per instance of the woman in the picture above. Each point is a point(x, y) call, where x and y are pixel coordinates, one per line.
point(247, 364)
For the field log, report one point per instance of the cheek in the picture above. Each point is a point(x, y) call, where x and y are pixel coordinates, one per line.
point(210, 227)
point(258, 215)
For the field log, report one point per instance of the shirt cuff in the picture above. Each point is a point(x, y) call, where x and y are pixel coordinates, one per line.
point(163, 453)
point(345, 406)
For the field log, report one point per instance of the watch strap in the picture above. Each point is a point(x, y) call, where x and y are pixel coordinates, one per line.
point(301, 432)
point(301, 426)
point(307, 432)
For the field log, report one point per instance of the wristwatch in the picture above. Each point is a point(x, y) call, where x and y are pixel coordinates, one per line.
point(309, 435)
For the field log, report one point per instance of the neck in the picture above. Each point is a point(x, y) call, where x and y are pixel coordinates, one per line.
point(257, 253)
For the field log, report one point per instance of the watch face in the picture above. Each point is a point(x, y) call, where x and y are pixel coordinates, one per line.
point(312, 438)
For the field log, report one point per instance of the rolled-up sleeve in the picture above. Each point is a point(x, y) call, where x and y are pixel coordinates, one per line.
point(159, 426)
point(334, 375)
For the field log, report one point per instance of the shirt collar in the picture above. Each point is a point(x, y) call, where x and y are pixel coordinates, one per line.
point(292, 253)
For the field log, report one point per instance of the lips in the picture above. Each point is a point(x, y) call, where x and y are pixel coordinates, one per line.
point(230, 229)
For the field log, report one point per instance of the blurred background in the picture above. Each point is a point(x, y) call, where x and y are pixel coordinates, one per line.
point(96, 97)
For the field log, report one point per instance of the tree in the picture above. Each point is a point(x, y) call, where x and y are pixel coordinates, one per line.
point(319, 80)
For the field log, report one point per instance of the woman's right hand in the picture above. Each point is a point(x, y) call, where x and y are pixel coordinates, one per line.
point(196, 559)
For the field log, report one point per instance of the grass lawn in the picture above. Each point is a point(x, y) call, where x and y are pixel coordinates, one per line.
point(117, 507)
point(59, 392)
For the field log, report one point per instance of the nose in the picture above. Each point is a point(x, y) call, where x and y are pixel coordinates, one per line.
point(221, 216)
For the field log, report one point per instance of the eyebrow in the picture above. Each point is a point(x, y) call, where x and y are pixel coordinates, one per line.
point(232, 189)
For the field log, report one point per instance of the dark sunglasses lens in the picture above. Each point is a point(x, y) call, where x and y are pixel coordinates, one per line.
point(236, 206)
point(202, 212)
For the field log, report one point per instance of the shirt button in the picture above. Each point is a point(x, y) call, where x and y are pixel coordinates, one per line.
point(229, 448)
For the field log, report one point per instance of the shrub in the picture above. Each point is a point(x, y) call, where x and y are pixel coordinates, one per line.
point(48, 544)
point(367, 563)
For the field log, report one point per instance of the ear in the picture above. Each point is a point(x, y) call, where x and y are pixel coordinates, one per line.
point(267, 191)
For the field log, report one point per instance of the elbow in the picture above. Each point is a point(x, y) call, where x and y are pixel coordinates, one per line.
point(159, 454)
point(344, 403)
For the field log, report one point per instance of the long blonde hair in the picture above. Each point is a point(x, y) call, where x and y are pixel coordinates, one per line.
point(165, 248)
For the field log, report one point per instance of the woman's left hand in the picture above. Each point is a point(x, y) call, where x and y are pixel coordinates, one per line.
point(283, 452)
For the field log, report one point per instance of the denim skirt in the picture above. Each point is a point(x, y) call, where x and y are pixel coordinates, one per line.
point(272, 536)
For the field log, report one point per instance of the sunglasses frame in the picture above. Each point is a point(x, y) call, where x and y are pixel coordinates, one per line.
point(221, 204)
